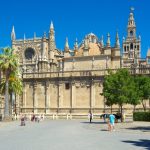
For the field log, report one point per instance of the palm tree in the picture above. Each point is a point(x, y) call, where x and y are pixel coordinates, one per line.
point(8, 64)
point(15, 85)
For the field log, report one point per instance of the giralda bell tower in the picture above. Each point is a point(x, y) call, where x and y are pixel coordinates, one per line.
point(132, 44)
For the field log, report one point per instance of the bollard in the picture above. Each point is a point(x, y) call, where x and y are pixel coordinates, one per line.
point(30, 116)
point(15, 117)
point(70, 117)
point(53, 116)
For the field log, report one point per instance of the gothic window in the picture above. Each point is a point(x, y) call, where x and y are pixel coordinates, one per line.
point(67, 86)
point(125, 48)
point(131, 46)
point(137, 47)
point(131, 33)
point(29, 53)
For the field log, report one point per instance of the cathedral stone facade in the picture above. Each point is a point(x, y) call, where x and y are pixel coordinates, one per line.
point(70, 82)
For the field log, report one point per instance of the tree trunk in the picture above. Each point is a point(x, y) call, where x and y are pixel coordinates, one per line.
point(144, 107)
point(111, 109)
point(121, 113)
point(134, 108)
point(7, 116)
point(10, 104)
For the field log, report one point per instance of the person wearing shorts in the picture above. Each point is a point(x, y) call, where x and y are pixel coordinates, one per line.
point(111, 122)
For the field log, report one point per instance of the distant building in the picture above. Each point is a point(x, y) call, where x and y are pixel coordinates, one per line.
point(71, 81)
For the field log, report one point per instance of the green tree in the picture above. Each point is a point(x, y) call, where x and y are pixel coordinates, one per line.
point(8, 64)
point(108, 89)
point(134, 95)
point(118, 88)
point(15, 86)
point(143, 85)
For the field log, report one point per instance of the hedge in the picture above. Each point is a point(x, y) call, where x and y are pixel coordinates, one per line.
point(141, 116)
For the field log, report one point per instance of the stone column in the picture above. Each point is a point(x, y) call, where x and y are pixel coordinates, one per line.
point(47, 98)
point(59, 102)
point(72, 102)
point(92, 98)
point(17, 104)
point(35, 101)
point(24, 97)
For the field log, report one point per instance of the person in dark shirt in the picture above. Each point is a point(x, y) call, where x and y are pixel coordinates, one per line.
point(90, 116)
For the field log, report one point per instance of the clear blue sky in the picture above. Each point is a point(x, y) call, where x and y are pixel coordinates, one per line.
point(73, 18)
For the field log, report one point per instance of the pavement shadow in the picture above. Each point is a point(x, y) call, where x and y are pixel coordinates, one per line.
point(143, 129)
point(144, 143)
point(104, 130)
point(94, 122)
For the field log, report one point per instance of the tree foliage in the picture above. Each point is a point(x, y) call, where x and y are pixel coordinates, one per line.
point(120, 88)
point(143, 87)
point(109, 89)
point(15, 84)
point(9, 66)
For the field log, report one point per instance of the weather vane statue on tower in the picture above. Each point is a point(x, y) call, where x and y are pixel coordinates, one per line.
point(132, 9)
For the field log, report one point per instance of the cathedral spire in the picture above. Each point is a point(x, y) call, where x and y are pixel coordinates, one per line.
point(117, 44)
point(86, 44)
point(13, 35)
point(76, 44)
point(34, 35)
point(52, 45)
point(44, 35)
point(24, 37)
point(102, 42)
point(108, 40)
point(66, 45)
point(139, 38)
point(123, 39)
point(43, 52)
point(51, 26)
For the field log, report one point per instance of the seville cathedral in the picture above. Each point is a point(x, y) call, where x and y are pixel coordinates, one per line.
point(70, 82)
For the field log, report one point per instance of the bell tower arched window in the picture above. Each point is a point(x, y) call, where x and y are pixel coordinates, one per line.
point(131, 33)
point(131, 46)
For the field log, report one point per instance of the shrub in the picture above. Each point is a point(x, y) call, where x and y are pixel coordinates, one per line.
point(141, 116)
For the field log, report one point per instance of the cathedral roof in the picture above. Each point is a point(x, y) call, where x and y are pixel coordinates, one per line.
point(92, 37)
point(94, 49)
point(93, 44)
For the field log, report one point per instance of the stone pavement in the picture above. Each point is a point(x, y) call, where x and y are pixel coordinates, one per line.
point(74, 135)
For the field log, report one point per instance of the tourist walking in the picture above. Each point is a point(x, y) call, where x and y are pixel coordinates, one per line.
point(90, 116)
point(23, 121)
point(33, 118)
point(111, 122)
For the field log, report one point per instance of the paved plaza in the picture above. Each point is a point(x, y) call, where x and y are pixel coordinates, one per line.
point(74, 135)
